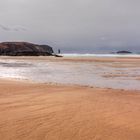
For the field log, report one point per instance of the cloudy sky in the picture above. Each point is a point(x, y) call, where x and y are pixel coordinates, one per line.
point(73, 25)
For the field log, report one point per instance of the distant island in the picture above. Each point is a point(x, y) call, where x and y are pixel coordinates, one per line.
point(124, 52)
point(25, 49)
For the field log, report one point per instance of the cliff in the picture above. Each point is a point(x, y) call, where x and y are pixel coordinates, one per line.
point(24, 49)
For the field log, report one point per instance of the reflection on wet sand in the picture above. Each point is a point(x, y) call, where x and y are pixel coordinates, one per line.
point(106, 73)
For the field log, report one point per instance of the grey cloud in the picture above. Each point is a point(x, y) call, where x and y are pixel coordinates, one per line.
point(73, 24)
point(16, 28)
point(19, 28)
point(4, 28)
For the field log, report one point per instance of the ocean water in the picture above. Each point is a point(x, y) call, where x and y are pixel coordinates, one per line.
point(115, 75)
point(99, 55)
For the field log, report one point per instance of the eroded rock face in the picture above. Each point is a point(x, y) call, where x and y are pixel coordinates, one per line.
point(24, 49)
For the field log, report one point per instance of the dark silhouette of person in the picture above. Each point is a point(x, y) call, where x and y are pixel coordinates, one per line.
point(59, 51)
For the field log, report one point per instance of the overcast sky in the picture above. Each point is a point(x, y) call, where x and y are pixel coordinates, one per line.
point(73, 25)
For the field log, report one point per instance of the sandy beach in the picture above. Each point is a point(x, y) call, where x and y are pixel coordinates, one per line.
point(37, 111)
point(69, 70)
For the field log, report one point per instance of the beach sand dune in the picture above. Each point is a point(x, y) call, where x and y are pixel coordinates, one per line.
point(31, 111)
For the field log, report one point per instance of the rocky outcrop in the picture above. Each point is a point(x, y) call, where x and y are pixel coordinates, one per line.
point(24, 49)
point(124, 52)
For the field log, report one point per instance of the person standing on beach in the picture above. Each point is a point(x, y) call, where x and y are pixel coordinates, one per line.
point(59, 51)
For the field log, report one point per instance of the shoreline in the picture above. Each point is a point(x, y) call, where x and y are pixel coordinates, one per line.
point(134, 60)
point(51, 112)
point(27, 81)
point(111, 71)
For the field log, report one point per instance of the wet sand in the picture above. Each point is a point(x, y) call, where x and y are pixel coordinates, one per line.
point(30, 111)
point(107, 72)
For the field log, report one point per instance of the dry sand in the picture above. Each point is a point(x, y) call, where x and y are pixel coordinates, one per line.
point(31, 111)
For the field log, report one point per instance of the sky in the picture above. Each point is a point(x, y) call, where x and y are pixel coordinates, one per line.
point(85, 26)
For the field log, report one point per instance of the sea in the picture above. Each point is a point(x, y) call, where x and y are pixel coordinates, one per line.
point(115, 75)
point(99, 55)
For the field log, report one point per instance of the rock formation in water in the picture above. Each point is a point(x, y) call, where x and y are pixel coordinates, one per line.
point(124, 52)
point(24, 49)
